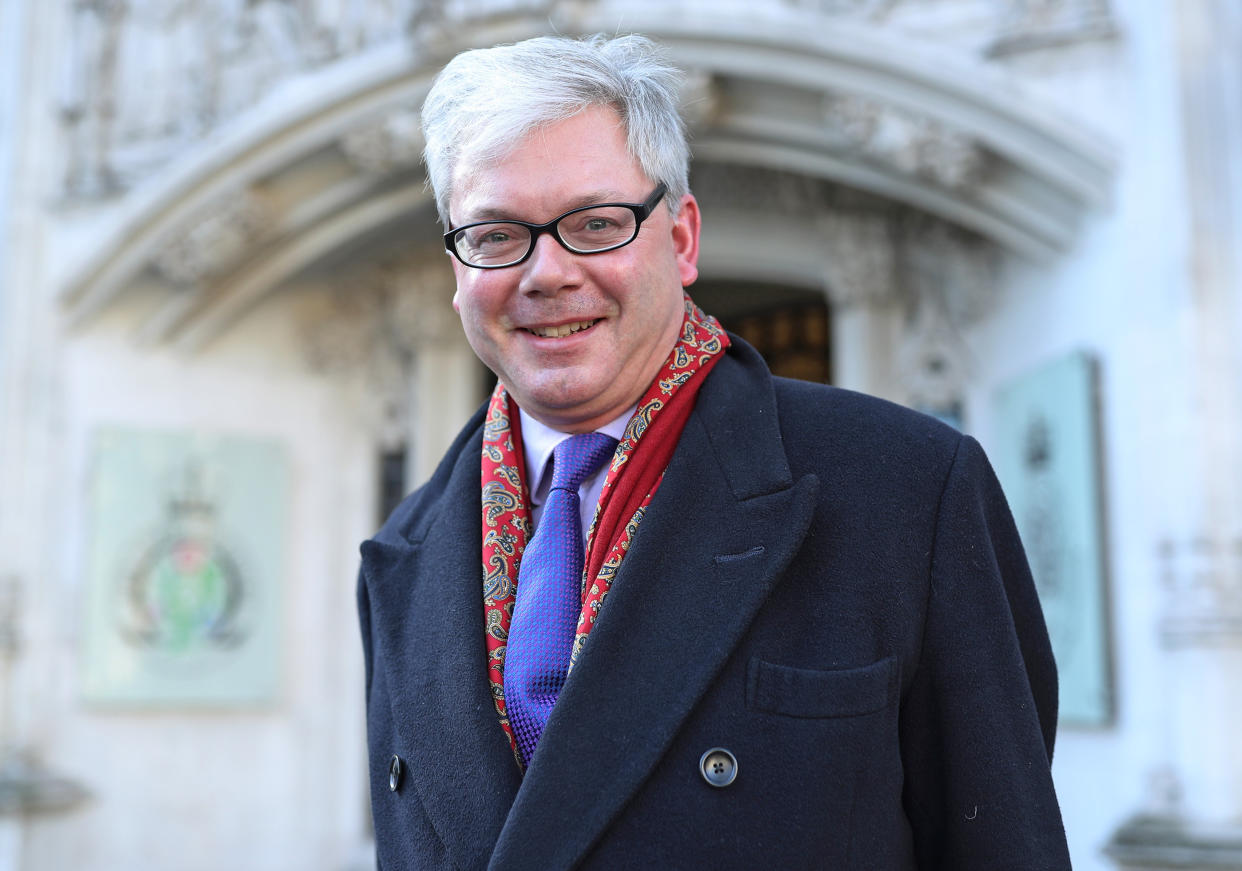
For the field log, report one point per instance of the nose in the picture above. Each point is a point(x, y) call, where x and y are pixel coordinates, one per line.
point(550, 268)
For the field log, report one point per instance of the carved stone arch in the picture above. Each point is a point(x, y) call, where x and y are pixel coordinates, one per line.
point(909, 282)
point(311, 175)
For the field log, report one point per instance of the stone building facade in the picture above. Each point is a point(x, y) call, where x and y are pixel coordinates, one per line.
point(214, 231)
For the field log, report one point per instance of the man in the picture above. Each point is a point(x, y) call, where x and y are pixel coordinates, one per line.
point(725, 620)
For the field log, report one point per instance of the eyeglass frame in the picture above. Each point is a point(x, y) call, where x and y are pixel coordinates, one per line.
point(642, 211)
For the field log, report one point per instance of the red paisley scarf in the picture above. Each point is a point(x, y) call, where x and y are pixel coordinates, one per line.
point(633, 477)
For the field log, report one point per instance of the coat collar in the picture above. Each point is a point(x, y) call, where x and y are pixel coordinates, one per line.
point(675, 589)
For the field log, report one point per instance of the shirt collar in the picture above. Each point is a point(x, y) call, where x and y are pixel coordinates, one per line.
point(539, 440)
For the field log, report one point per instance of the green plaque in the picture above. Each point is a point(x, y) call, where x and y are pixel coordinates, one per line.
point(1047, 457)
point(184, 568)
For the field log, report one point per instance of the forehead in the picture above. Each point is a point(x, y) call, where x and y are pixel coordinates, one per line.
point(582, 159)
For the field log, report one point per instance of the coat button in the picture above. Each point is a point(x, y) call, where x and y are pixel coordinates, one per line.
point(394, 773)
point(718, 766)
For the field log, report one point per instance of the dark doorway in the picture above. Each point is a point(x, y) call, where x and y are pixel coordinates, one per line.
point(789, 326)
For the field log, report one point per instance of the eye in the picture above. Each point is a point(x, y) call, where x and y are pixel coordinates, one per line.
point(600, 221)
point(493, 236)
point(597, 225)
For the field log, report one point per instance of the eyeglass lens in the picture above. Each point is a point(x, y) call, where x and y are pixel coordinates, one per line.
point(584, 231)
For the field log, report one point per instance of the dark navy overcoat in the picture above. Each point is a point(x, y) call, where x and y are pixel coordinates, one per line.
point(826, 585)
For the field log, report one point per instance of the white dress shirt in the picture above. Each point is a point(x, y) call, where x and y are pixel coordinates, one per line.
point(537, 444)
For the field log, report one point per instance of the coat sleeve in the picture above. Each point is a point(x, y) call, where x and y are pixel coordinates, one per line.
point(979, 717)
point(364, 624)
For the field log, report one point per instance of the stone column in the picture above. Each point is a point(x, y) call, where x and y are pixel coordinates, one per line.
point(948, 279)
point(860, 276)
point(1194, 820)
point(31, 601)
point(447, 390)
point(390, 332)
point(864, 334)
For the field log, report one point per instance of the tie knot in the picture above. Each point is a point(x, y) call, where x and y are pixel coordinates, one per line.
point(575, 458)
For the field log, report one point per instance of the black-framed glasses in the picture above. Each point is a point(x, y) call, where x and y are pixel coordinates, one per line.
point(586, 230)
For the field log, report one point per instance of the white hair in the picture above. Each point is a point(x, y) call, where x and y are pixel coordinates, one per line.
point(485, 101)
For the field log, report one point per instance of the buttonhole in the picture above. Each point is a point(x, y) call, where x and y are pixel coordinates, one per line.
point(734, 557)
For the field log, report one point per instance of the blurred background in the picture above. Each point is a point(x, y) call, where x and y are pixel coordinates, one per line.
point(227, 349)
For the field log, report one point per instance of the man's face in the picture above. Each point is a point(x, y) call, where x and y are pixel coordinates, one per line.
point(630, 297)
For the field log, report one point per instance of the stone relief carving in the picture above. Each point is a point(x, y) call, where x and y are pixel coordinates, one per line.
point(214, 242)
point(953, 267)
point(949, 277)
point(1163, 792)
point(371, 328)
point(861, 257)
point(144, 78)
point(760, 189)
point(1202, 583)
point(855, 226)
point(88, 96)
point(932, 360)
point(913, 145)
point(874, 10)
point(394, 142)
point(436, 26)
point(1025, 25)
point(27, 786)
point(942, 278)
point(421, 295)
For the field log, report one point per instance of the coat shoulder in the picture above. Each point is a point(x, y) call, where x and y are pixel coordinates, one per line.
point(850, 437)
point(837, 414)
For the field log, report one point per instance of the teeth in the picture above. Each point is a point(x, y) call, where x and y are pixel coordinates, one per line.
point(562, 330)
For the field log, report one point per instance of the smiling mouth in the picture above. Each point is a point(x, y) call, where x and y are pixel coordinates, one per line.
point(563, 330)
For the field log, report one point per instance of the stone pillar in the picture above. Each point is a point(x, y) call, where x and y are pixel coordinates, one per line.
point(443, 377)
point(447, 386)
point(904, 288)
point(864, 334)
point(1194, 818)
point(31, 602)
point(389, 331)
point(948, 278)
point(861, 281)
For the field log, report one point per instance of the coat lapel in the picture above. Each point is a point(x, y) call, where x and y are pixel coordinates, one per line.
point(426, 592)
point(726, 522)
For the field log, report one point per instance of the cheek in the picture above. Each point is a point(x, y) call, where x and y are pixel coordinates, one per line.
point(480, 305)
point(470, 296)
point(460, 279)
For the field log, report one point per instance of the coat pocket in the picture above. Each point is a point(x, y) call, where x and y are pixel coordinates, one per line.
point(810, 692)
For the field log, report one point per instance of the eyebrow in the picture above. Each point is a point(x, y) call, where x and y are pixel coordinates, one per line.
point(607, 195)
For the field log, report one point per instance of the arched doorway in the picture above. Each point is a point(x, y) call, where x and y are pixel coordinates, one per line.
point(790, 326)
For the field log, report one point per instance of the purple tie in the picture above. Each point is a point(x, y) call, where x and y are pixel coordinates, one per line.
point(549, 599)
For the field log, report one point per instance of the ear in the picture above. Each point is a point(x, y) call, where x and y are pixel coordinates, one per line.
point(686, 240)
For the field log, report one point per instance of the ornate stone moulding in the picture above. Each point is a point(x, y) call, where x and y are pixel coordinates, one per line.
point(860, 109)
point(865, 253)
point(331, 162)
point(1202, 584)
point(374, 321)
point(1051, 23)
point(266, 203)
point(210, 244)
point(1157, 843)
